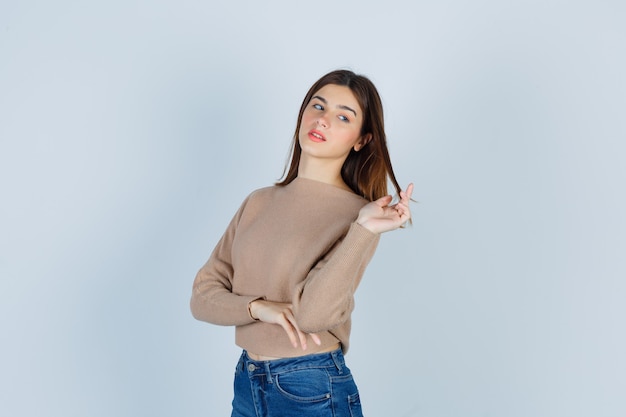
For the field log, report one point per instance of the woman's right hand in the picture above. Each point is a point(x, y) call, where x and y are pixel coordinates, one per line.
point(281, 314)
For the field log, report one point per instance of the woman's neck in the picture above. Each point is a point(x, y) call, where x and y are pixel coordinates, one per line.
point(326, 171)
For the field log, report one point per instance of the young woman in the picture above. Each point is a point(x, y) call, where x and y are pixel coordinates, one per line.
point(286, 269)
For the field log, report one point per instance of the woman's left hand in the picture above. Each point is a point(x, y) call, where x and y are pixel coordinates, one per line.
point(378, 216)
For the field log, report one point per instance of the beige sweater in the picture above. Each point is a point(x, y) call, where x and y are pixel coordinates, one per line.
point(297, 244)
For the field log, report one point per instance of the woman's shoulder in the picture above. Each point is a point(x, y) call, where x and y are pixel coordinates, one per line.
point(263, 192)
point(260, 196)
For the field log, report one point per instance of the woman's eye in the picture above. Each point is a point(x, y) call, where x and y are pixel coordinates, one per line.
point(344, 119)
point(318, 107)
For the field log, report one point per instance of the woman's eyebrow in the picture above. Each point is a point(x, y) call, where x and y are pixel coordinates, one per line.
point(341, 106)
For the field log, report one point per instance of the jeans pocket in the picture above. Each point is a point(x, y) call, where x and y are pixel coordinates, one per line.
point(304, 385)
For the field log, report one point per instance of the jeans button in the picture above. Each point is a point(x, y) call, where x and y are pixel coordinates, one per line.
point(251, 367)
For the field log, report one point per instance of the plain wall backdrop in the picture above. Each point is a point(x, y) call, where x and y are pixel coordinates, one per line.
point(130, 132)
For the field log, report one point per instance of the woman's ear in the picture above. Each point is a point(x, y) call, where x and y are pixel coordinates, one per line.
point(362, 142)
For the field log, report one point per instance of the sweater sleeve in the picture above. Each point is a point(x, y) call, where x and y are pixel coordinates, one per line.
point(212, 299)
point(325, 299)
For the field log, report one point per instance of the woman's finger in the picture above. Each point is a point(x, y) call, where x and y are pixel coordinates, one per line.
point(316, 339)
point(289, 329)
point(300, 335)
point(295, 334)
point(405, 196)
point(409, 191)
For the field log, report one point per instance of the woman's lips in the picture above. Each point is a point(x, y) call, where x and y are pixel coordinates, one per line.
point(316, 136)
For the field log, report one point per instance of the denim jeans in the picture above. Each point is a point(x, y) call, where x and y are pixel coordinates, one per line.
point(318, 385)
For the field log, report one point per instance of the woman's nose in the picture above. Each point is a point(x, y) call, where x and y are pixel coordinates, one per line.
point(322, 122)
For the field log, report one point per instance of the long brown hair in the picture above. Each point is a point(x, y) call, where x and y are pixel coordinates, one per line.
point(366, 172)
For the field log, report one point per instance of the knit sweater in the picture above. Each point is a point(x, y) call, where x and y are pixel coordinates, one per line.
point(296, 244)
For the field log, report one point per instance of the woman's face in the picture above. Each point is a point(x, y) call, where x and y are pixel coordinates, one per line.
point(331, 124)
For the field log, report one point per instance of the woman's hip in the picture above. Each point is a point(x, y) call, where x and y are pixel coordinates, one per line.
point(313, 385)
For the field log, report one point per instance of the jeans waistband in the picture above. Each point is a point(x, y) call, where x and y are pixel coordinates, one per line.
point(317, 360)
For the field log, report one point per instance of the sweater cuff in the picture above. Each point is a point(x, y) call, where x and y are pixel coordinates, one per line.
point(250, 311)
point(361, 235)
point(356, 244)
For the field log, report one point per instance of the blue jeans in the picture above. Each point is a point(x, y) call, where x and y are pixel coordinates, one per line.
point(318, 385)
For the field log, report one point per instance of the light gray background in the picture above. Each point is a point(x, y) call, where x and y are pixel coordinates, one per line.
point(130, 132)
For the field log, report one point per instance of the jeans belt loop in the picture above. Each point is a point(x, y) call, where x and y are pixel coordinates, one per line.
point(335, 355)
point(268, 373)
